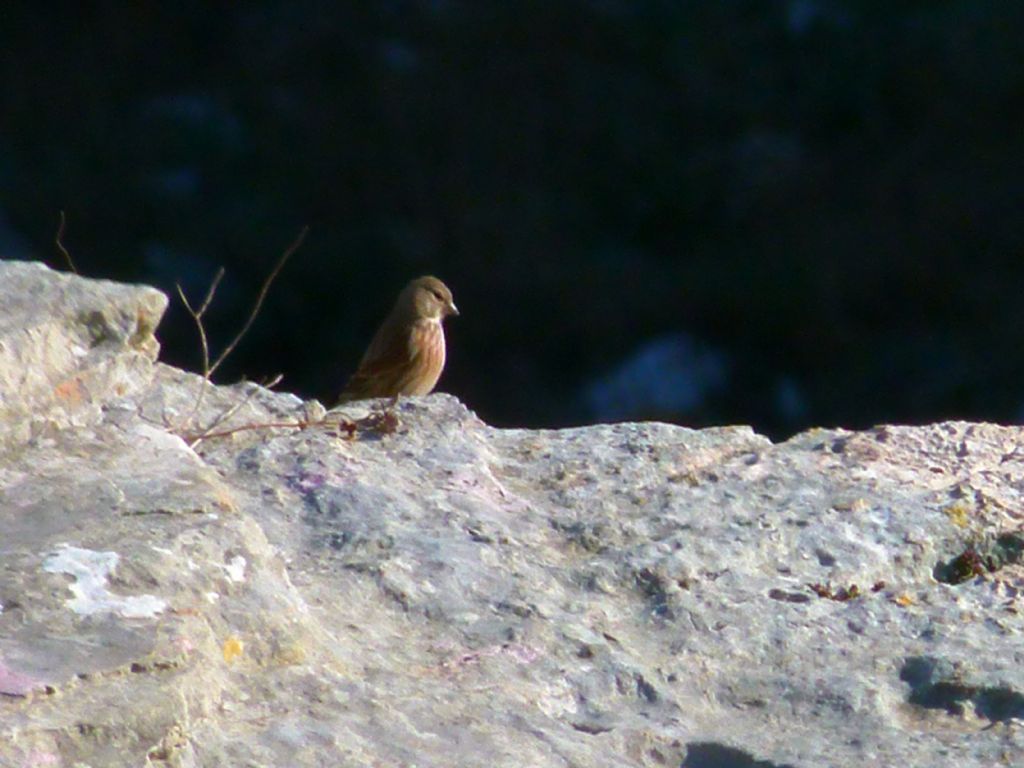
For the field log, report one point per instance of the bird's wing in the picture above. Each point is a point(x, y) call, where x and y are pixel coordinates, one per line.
point(392, 345)
point(386, 360)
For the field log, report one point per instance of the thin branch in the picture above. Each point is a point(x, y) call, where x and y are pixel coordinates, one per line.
point(59, 242)
point(351, 428)
point(197, 316)
point(296, 244)
point(210, 291)
point(195, 440)
point(209, 368)
point(381, 422)
point(209, 429)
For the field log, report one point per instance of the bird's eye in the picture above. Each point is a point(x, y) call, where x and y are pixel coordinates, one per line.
point(437, 295)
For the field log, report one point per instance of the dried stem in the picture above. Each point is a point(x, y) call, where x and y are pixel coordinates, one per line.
point(59, 242)
point(299, 424)
point(209, 368)
point(197, 317)
point(296, 244)
point(209, 429)
point(384, 422)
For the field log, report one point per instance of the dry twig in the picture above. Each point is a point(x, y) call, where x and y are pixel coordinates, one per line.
point(197, 317)
point(207, 431)
point(59, 242)
point(209, 368)
point(380, 422)
point(296, 244)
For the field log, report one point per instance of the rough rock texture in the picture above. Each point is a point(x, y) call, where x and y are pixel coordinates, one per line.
point(415, 588)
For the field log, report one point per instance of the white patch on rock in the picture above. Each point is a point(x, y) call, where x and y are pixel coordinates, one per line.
point(91, 596)
point(235, 569)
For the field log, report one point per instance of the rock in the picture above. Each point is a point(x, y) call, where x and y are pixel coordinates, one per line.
point(67, 344)
point(408, 586)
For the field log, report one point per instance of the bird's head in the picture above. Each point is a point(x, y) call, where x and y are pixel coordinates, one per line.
point(429, 298)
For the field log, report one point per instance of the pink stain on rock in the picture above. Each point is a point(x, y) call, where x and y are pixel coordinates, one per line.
point(37, 758)
point(14, 683)
point(522, 654)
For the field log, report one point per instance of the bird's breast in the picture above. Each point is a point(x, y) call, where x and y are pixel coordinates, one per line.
point(428, 343)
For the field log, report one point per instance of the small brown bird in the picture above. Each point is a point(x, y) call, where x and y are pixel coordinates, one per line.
point(406, 354)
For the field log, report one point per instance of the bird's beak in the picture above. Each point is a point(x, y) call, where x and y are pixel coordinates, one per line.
point(452, 309)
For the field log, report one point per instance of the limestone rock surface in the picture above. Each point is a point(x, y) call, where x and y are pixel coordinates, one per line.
point(407, 586)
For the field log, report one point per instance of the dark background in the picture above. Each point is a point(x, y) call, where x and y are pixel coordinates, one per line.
point(779, 213)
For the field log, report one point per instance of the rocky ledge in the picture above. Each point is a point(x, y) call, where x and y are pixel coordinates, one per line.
point(407, 586)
